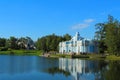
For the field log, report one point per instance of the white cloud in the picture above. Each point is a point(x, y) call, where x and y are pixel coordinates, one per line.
point(86, 23)
point(80, 26)
point(89, 20)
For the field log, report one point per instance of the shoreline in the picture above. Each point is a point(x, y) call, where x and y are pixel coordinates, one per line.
point(57, 55)
point(87, 57)
point(20, 52)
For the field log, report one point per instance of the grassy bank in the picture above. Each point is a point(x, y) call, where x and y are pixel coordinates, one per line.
point(88, 56)
point(39, 53)
point(20, 52)
point(60, 56)
point(103, 57)
point(113, 57)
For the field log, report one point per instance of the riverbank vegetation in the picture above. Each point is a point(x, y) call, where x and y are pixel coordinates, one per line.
point(21, 52)
point(87, 56)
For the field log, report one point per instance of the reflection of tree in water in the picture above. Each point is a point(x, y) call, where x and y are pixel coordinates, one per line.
point(94, 70)
point(107, 70)
point(100, 69)
point(113, 72)
point(83, 69)
point(57, 70)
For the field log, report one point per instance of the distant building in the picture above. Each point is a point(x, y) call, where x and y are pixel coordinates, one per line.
point(26, 43)
point(78, 45)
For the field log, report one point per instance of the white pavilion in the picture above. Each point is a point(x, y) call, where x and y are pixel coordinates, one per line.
point(78, 45)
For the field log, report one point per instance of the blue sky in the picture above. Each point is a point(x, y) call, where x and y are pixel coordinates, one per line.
point(37, 18)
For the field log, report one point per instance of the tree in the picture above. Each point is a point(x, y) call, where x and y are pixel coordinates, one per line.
point(66, 37)
point(41, 44)
point(112, 35)
point(100, 37)
point(13, 43)
point(107, 34)
point(51, 42)
point(2, 42)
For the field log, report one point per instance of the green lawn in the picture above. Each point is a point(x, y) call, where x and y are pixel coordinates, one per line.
point(113, 57)
point(88, 57)
point(20, 52)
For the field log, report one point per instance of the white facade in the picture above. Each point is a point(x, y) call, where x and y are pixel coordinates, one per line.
point(78, 45)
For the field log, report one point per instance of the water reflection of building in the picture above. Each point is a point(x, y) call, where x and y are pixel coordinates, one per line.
point(79, 69)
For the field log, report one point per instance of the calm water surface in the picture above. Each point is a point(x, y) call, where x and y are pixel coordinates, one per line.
point(39, 68)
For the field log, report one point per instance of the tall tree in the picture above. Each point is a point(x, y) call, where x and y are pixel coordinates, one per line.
point(2, 42)
point(112, 35)
point(100, 37)
point(13, 43)
point(108, 37)
point(41, 44)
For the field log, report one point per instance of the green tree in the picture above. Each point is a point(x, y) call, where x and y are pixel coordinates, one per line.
point(13, 43)
point(50, 42)
point(107, 34)
point(66, 37)
point(112, 35)
point(100, 37)
point(41, 44)
point(2, 42)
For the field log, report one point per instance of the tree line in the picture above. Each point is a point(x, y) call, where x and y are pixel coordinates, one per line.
point(45, 43)
point(51, 42)
point(16, 43)
point(108, 36)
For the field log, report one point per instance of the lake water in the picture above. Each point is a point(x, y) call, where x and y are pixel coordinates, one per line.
point(39, 68)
